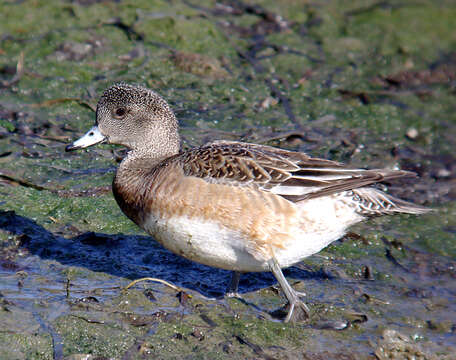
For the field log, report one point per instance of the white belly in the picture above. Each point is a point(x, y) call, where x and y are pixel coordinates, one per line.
point(214, 245)
point(205, 242)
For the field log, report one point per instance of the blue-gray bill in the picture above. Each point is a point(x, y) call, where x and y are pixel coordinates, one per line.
point(92, 137)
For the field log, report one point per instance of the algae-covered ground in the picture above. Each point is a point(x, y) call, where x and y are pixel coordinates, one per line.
point(369, 83)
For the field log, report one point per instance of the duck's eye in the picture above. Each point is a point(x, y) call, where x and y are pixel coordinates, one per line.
point(120, 112)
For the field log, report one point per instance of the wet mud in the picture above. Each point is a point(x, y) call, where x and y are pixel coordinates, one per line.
point(371, 84)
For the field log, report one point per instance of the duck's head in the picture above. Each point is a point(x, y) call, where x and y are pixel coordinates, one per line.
point(135, 117)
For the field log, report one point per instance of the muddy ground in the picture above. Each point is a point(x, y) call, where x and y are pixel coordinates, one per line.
point(369, 83)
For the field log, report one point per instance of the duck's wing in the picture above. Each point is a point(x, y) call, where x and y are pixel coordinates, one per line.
point(293, 175)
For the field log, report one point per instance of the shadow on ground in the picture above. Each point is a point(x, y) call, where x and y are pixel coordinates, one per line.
point(132, 257)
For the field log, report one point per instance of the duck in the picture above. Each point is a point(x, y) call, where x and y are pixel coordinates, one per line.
point(232, 205)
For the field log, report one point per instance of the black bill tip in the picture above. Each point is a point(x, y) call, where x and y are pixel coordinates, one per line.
point(71, 147)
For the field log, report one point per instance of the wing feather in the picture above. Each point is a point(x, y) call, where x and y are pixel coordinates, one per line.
point(295, 176)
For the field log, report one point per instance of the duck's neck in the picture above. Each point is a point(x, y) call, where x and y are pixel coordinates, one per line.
point(155, 144)
point(152, 155)
point(143, 158)
point(134, 177)
point(136, 171)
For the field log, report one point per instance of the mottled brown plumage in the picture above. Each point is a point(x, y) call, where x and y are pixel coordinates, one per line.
point(232, 205)
point(267, 167)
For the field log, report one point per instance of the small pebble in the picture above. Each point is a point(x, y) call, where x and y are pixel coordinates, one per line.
point(412, 133)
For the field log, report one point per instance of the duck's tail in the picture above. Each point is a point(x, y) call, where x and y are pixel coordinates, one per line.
point(371, 201)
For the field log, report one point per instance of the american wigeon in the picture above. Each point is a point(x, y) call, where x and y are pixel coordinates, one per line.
point(232, 205)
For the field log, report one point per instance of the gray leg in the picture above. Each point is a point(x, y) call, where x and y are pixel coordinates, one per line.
point(297, 307)
point(232, 290)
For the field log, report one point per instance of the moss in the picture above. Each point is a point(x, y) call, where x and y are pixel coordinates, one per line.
point(26, 346)
point(95, 339)
point(329, 63)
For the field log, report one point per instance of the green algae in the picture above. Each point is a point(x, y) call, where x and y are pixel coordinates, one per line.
point(30, 346)
point(100, 214)
point(433, 234)
point(96, 339)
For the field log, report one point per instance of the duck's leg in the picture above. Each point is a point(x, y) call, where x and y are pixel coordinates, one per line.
point(232, 290)
point(298, 310)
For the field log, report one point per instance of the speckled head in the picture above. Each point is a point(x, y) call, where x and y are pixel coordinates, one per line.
point(135, 117)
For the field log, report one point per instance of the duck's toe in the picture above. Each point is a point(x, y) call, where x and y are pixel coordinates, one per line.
point(297, 312)
point(294, 313)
